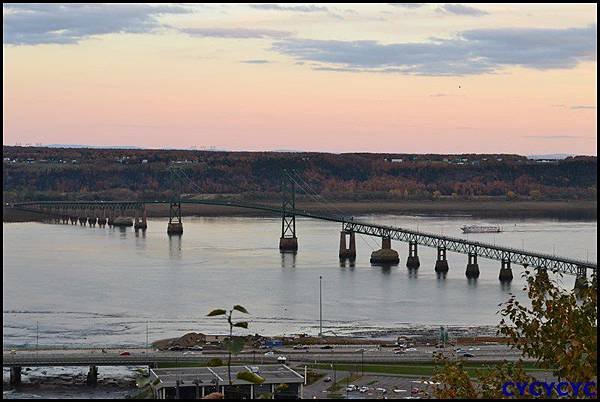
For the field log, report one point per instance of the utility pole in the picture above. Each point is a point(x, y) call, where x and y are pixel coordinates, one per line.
point(320, 307)
point(146, 337)
point(37, 335)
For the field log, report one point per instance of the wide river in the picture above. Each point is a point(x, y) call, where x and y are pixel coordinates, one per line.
point(77, 285)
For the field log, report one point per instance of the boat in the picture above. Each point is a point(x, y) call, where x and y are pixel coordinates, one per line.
point(480, 229)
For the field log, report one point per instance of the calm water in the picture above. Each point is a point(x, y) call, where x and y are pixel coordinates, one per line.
point(105, 286)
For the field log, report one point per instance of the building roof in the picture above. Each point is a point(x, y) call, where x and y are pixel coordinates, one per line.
point(188, 376)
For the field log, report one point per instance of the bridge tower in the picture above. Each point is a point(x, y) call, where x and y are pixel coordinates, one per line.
point(175, 226)
point(288, 241)
point(412, 261)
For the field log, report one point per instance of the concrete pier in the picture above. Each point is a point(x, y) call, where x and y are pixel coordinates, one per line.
point(506, 274)
point(412, 261)
point(101, 222)
point(92, 221)
point(472, 266)
point(73, 220)
point(288, 244)
point(92, 377)
point(347, 252)
point(141, 221)
point(15, 376)
point(82, 221)
point(441, 264)
point(175, 228)
point(385, 255)
point(580, 280)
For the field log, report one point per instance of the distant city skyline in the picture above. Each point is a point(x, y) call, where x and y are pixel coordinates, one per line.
point(393, 77)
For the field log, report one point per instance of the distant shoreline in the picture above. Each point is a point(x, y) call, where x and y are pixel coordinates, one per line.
point(561, 210)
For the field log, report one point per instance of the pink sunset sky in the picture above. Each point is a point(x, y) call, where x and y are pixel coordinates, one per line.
point(393, 77)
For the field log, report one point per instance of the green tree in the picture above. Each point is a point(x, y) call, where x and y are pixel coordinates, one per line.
point(235, 346)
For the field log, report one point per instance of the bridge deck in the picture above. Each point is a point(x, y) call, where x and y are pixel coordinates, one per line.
point(456, 244)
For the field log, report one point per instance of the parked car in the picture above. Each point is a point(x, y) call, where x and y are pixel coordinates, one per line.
point(282, 359)
point(175, 348)
point(269, 354)
point(363, 389)
point(326, 347)
point(351, 388)
point(327, 379)
point(196, 347)
point(468, 355)
point(125, 354)
point(382, 390)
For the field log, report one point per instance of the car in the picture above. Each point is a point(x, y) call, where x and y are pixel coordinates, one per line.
point(382, 390)
point(398, 390)
point(196, 347)
point(326, 347)
point(282, 359)
point(399, 352)
point(327, 379)
point(125, 354)
point(415, 390)
point(269, 354)
point(363, 389)
point(351, 388)
point(175, 348)
point(411, 350)
point(300, 347)
point(254, 369)
point(13, 352)
point(468, 355)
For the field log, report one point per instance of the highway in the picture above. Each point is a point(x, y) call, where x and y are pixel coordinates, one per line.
point(339, 354)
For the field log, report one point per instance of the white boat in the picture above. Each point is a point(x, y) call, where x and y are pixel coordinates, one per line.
point(480, 229)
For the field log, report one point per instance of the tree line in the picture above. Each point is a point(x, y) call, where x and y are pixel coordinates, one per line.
point(31, 173)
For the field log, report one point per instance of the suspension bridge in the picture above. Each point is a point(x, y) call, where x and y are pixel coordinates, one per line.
point(133, 213)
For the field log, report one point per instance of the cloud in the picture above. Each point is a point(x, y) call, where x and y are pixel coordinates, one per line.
point(407, 5)
point(470, 52)
point(302, 9)
point(459, 9)
point(580, 107)
point(240, 33)
point(33, 24)
point(255, 61)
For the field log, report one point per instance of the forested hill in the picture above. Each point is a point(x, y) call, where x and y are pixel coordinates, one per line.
point(83, 173)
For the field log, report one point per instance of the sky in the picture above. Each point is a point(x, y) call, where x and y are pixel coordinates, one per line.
point(389, 77)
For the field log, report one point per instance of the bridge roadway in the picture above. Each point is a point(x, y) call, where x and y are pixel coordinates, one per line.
point(486, 250)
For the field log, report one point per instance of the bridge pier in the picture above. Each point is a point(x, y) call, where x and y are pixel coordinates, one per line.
point(82, 221)
point(92, 377)
point(15, 376)
point(412, 261)
point(347, 252)
point(441, 264)
point(472, 266)
point(92, 221)
point(141, 221)
point(506, 274)
point(385, 255)
point(580, 280)
point(73, 220)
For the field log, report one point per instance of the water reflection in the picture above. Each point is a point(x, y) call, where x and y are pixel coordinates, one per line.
point(175, 246)
point(413, 273)
point(347, 262)
point(472, 282)
point(505, 286)
point(288, 260)
point(441, 276)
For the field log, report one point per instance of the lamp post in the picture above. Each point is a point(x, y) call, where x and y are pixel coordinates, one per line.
point(320, 306)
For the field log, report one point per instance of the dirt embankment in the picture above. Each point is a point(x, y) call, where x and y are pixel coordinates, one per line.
point(565, 210)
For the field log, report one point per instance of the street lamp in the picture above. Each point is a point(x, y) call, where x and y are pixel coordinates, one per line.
point(320, 307)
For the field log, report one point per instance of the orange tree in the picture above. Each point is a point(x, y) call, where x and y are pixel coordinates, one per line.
point(558, 329)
